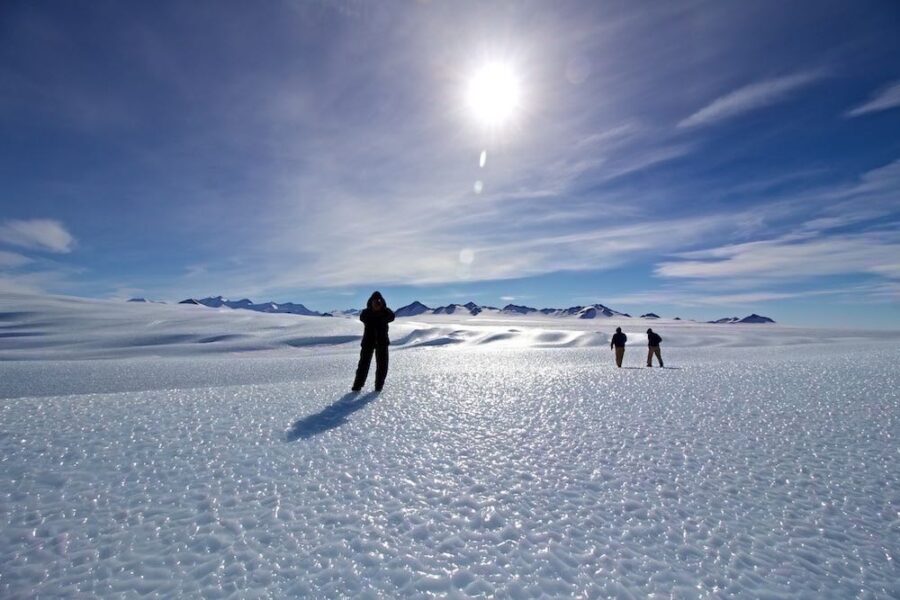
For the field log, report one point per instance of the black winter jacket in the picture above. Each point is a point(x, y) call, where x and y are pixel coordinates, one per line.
point(376, 322)
point(618, 340)
point(653, 339)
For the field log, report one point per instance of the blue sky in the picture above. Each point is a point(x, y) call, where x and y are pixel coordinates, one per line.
point(699, 159)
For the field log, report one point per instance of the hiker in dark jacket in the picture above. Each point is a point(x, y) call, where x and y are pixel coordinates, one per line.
point(618, 342)
point(375, 316)
point(653, 340)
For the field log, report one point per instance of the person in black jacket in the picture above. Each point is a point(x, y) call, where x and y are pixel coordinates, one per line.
point(653, 340)
point(618, 341)
point(375, 316)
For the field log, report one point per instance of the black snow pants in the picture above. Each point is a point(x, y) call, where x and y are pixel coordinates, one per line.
point(365, 359)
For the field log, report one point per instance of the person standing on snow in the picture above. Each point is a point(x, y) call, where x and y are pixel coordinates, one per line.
point(375, 316)
point(653, 340)
point(618, 342)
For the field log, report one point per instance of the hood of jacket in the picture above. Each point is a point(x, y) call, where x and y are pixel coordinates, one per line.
point(371, 302)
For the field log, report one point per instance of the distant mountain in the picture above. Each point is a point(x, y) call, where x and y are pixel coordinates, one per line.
point(295, 309)
point(411, 310)
point(137, 300)
point(754, 318)
point(595, 311)
point(247, 304)
point(650, 316)
point(144, 300)
point(515, 309)
point(560, 312)
point(216, 302)
point(244, 303)
point(454, 309)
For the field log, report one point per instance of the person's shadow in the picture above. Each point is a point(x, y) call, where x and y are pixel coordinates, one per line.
point(330, 417)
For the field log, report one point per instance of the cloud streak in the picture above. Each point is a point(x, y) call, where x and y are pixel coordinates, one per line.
point(792, 257)
point(12, 259)
point(751, 97)
point(37, 234)
point(696, 298)
point(887, 98)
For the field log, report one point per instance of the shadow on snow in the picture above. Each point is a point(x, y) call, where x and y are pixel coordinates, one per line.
point(330, 417)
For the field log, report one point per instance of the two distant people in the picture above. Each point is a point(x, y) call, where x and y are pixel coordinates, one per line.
point(375, 317)
point(618, 340)
point(375, 340)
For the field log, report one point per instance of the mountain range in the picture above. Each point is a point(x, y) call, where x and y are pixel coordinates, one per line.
point(416, 308)
point(593, 311)
point(266, 307)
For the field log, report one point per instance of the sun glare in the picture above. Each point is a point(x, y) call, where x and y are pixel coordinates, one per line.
point(493, 94)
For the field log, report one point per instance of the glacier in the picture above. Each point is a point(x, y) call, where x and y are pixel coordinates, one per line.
point(171, 450)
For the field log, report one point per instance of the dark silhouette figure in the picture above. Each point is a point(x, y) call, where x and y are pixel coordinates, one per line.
point(653, 340)
point(332, 416)
point(375, 316)
point(618, 342)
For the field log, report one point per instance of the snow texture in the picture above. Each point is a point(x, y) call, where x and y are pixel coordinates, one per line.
point(217, 454)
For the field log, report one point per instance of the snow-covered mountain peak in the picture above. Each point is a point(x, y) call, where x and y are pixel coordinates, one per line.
point(518, 309)
point(411, 310)
point(753, 318)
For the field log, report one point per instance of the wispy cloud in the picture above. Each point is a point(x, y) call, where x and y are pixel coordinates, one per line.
point(38, 234)
point(38, 282)
point(696, 298)
point(508, 252)
point(751, 97)
point(12, 259)
point(792, 257)
point(880, 291)
point(337, 227)
point(846, 229)
point(888, 97)
point(34, 274)
point(17, 285)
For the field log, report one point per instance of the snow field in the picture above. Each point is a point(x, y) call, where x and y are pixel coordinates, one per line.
point(57, 329)
point(479, 471)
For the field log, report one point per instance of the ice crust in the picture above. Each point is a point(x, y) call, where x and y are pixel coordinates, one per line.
point(481, 470)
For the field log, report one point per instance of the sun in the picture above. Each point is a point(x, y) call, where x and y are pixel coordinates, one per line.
point(493, 94)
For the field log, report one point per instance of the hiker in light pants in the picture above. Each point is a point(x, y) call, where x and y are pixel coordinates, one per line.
point(618, 342)
point(653, 341)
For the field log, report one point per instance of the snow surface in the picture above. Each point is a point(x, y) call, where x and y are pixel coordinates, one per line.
point(187, 451)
